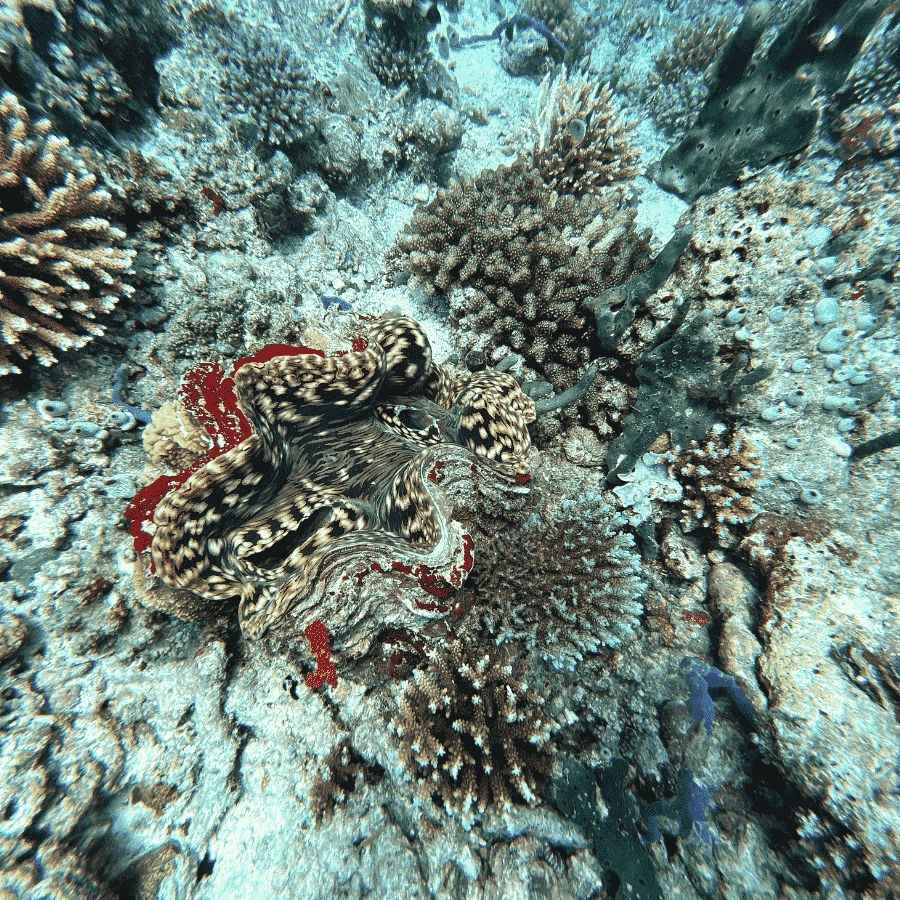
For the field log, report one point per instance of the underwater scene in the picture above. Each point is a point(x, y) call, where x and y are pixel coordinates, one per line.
point(449, 450)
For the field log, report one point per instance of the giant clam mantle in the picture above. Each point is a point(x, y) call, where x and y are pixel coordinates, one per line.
point(337, 502)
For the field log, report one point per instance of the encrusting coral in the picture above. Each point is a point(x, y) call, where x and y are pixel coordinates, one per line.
point(325, 471)
point(564, 587)
point(471, 731)
point(61, 258)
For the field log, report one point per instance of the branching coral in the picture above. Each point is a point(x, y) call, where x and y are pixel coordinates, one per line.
point(345, 766)
point(395, 47)
point(583, 144)
point(566, 587)
point(323, 476)
point(523, 263)
point(720, 475)
point(677, 88)
point(471, 731)
point(61, 258)
point(88, 65)
point(266, 79)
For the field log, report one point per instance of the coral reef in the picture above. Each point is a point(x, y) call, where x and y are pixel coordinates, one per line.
point(677, 88)
point(322, 473)
point(520, 264)
point(267, 81)
point(395, 47)
point(471, 732)
point(88, 65)
point(564, 587)
point(864, 117)
point(61, 258)
point(720, 476)
point(762, 108)
point(583, 144)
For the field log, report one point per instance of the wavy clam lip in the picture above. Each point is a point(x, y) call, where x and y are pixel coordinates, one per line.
point(354, 468)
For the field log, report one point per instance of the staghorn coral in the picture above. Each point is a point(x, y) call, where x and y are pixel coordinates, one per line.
point(583, 144)
point(720, 475)
point(266, 80)
point(565, 587)
point(61, 259)
point(324, 472)
point(523, 263)
point(471, 732)
point(562, 21)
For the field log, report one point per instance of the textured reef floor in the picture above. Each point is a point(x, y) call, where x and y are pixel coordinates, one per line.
point(538, 559)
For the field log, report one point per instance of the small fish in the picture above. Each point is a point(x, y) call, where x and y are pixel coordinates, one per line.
point(498, 9)
point(827, 36)
point(328, 302)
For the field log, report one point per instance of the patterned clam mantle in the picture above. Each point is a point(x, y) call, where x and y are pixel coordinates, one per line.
point(331, 487)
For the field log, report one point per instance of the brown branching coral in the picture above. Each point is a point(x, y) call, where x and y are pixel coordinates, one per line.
point(693, 48)
point(558, 15)
point(583, 144)
point(61, 258)
point(567, 587)
point(471, 731)
point(719, 475)
point(520, 263)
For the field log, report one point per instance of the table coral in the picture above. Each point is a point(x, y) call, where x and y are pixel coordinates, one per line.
point(343, 480)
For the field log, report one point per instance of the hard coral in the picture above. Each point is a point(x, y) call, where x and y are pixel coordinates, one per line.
point(471, 732)
point(583, 143)
point(566, 587)
point(720, 475)
point(88, 65)
point(61, 258)
point(678, 88)
point(320, 477)
point(268, 81)
point(520, 264)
